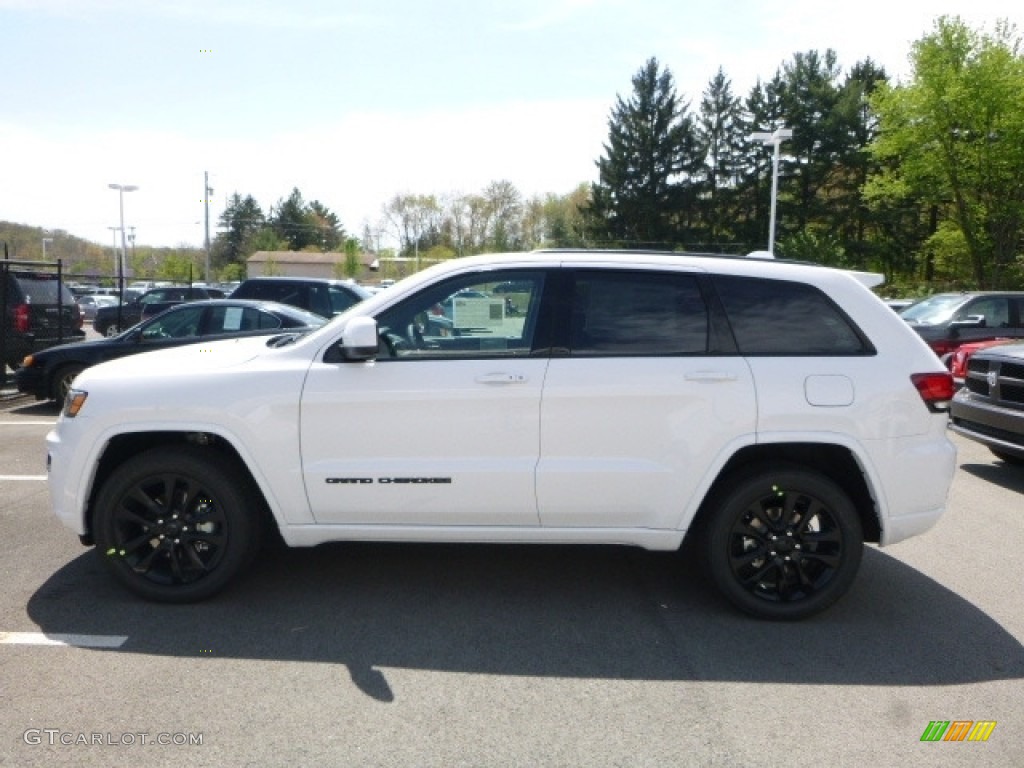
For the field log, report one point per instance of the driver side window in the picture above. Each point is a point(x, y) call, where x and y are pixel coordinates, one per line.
point(485, 314)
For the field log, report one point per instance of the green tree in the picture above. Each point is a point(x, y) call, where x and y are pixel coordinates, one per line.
point(719, 133)
point(637, 197)
point(953, 138)
point(240, 221)
point(306, 226)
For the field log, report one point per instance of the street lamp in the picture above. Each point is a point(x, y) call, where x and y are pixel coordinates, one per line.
point(121, 189)
point(775, 138)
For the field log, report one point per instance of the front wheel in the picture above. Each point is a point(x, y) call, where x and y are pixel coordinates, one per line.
point(783, 543)
point(62, 381)
point(1008, 458)
point(176, 524)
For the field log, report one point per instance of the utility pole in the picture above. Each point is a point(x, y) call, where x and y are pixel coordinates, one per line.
point(207, 191)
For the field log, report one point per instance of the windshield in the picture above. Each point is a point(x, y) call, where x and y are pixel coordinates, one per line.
point(933, 311)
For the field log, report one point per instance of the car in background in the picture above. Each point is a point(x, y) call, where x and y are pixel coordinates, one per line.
point(48, 374)
point(90, 303)
point(110, 321)
point(947, 320)
point(989, 408)
point(958, 360)
point(898, 305)
point(321, 295)
point(40, 312)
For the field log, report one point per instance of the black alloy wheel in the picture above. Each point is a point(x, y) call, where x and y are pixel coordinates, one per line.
point(783, 543)
point(176, 524)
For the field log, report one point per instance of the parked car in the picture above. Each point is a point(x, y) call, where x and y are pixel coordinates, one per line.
point(323, 296)
point(898, 305)
point(90, 303)
point(41, 312)
point(959, 359)
point(947, 320)
point(776, 415)
point(110, 321)
point(989, 408)
point(48, 374)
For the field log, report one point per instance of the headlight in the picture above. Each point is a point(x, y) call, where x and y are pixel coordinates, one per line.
point(26, 362)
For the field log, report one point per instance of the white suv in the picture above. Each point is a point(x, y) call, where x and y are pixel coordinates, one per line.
point(778, 414)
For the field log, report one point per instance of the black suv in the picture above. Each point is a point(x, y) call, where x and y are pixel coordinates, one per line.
point(110, 321)
point(41, 312)
point(947, 320)
point(321, 295)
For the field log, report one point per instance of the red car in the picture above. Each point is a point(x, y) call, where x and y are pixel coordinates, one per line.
point(958, 360)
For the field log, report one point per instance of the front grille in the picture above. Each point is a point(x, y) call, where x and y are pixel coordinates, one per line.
point(998, 380)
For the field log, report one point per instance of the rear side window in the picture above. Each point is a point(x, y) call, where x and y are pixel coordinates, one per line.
point(786, 319)
point(637, 313)
point(341, 299)
point(41, 290)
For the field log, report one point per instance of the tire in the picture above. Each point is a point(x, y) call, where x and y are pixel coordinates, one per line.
point(62, 381)
point(1008, 458)
point(176, 524)
point(111, 330)
point(782, 543)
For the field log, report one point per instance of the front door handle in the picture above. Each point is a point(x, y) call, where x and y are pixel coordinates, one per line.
point(711, 376)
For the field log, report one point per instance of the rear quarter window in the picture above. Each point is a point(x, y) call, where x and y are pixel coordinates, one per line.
point(781, 318)
point(44, 291)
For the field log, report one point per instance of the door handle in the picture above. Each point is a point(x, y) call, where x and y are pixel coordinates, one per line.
point(501, 378)
point(710, 376)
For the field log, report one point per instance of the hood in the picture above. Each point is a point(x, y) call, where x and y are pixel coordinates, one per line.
point(188, 359)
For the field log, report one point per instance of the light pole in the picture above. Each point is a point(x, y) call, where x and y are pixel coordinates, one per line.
point(775, 138)
point(121, 189)
point(45, 241)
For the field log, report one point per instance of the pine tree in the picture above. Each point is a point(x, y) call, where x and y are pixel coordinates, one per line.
point(638, 197)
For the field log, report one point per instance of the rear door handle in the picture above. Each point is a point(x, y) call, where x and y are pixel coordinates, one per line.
point(501, 378)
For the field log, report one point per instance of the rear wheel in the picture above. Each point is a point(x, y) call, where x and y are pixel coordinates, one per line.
point(176, 524)
point(783, 543)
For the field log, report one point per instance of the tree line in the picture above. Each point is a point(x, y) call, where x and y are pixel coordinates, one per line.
point(922, 180)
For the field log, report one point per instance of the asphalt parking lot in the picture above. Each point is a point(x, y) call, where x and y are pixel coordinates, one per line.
point(410, 655)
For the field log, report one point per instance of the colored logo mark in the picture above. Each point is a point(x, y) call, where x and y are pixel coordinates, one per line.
point(958, 730)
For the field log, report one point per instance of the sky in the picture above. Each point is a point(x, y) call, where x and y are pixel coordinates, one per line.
point(356, 101)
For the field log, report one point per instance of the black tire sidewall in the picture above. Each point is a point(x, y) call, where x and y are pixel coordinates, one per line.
point(215, 474)
point(746, 488)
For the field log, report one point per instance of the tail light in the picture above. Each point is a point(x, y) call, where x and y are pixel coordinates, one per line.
point(935, 389)
point(22, 318)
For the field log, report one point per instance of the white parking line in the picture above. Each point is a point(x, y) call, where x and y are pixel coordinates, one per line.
point(37, 478)
point(77, 641)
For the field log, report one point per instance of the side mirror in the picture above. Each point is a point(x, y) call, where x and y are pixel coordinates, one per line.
point(971, 321)
point(359, 340)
